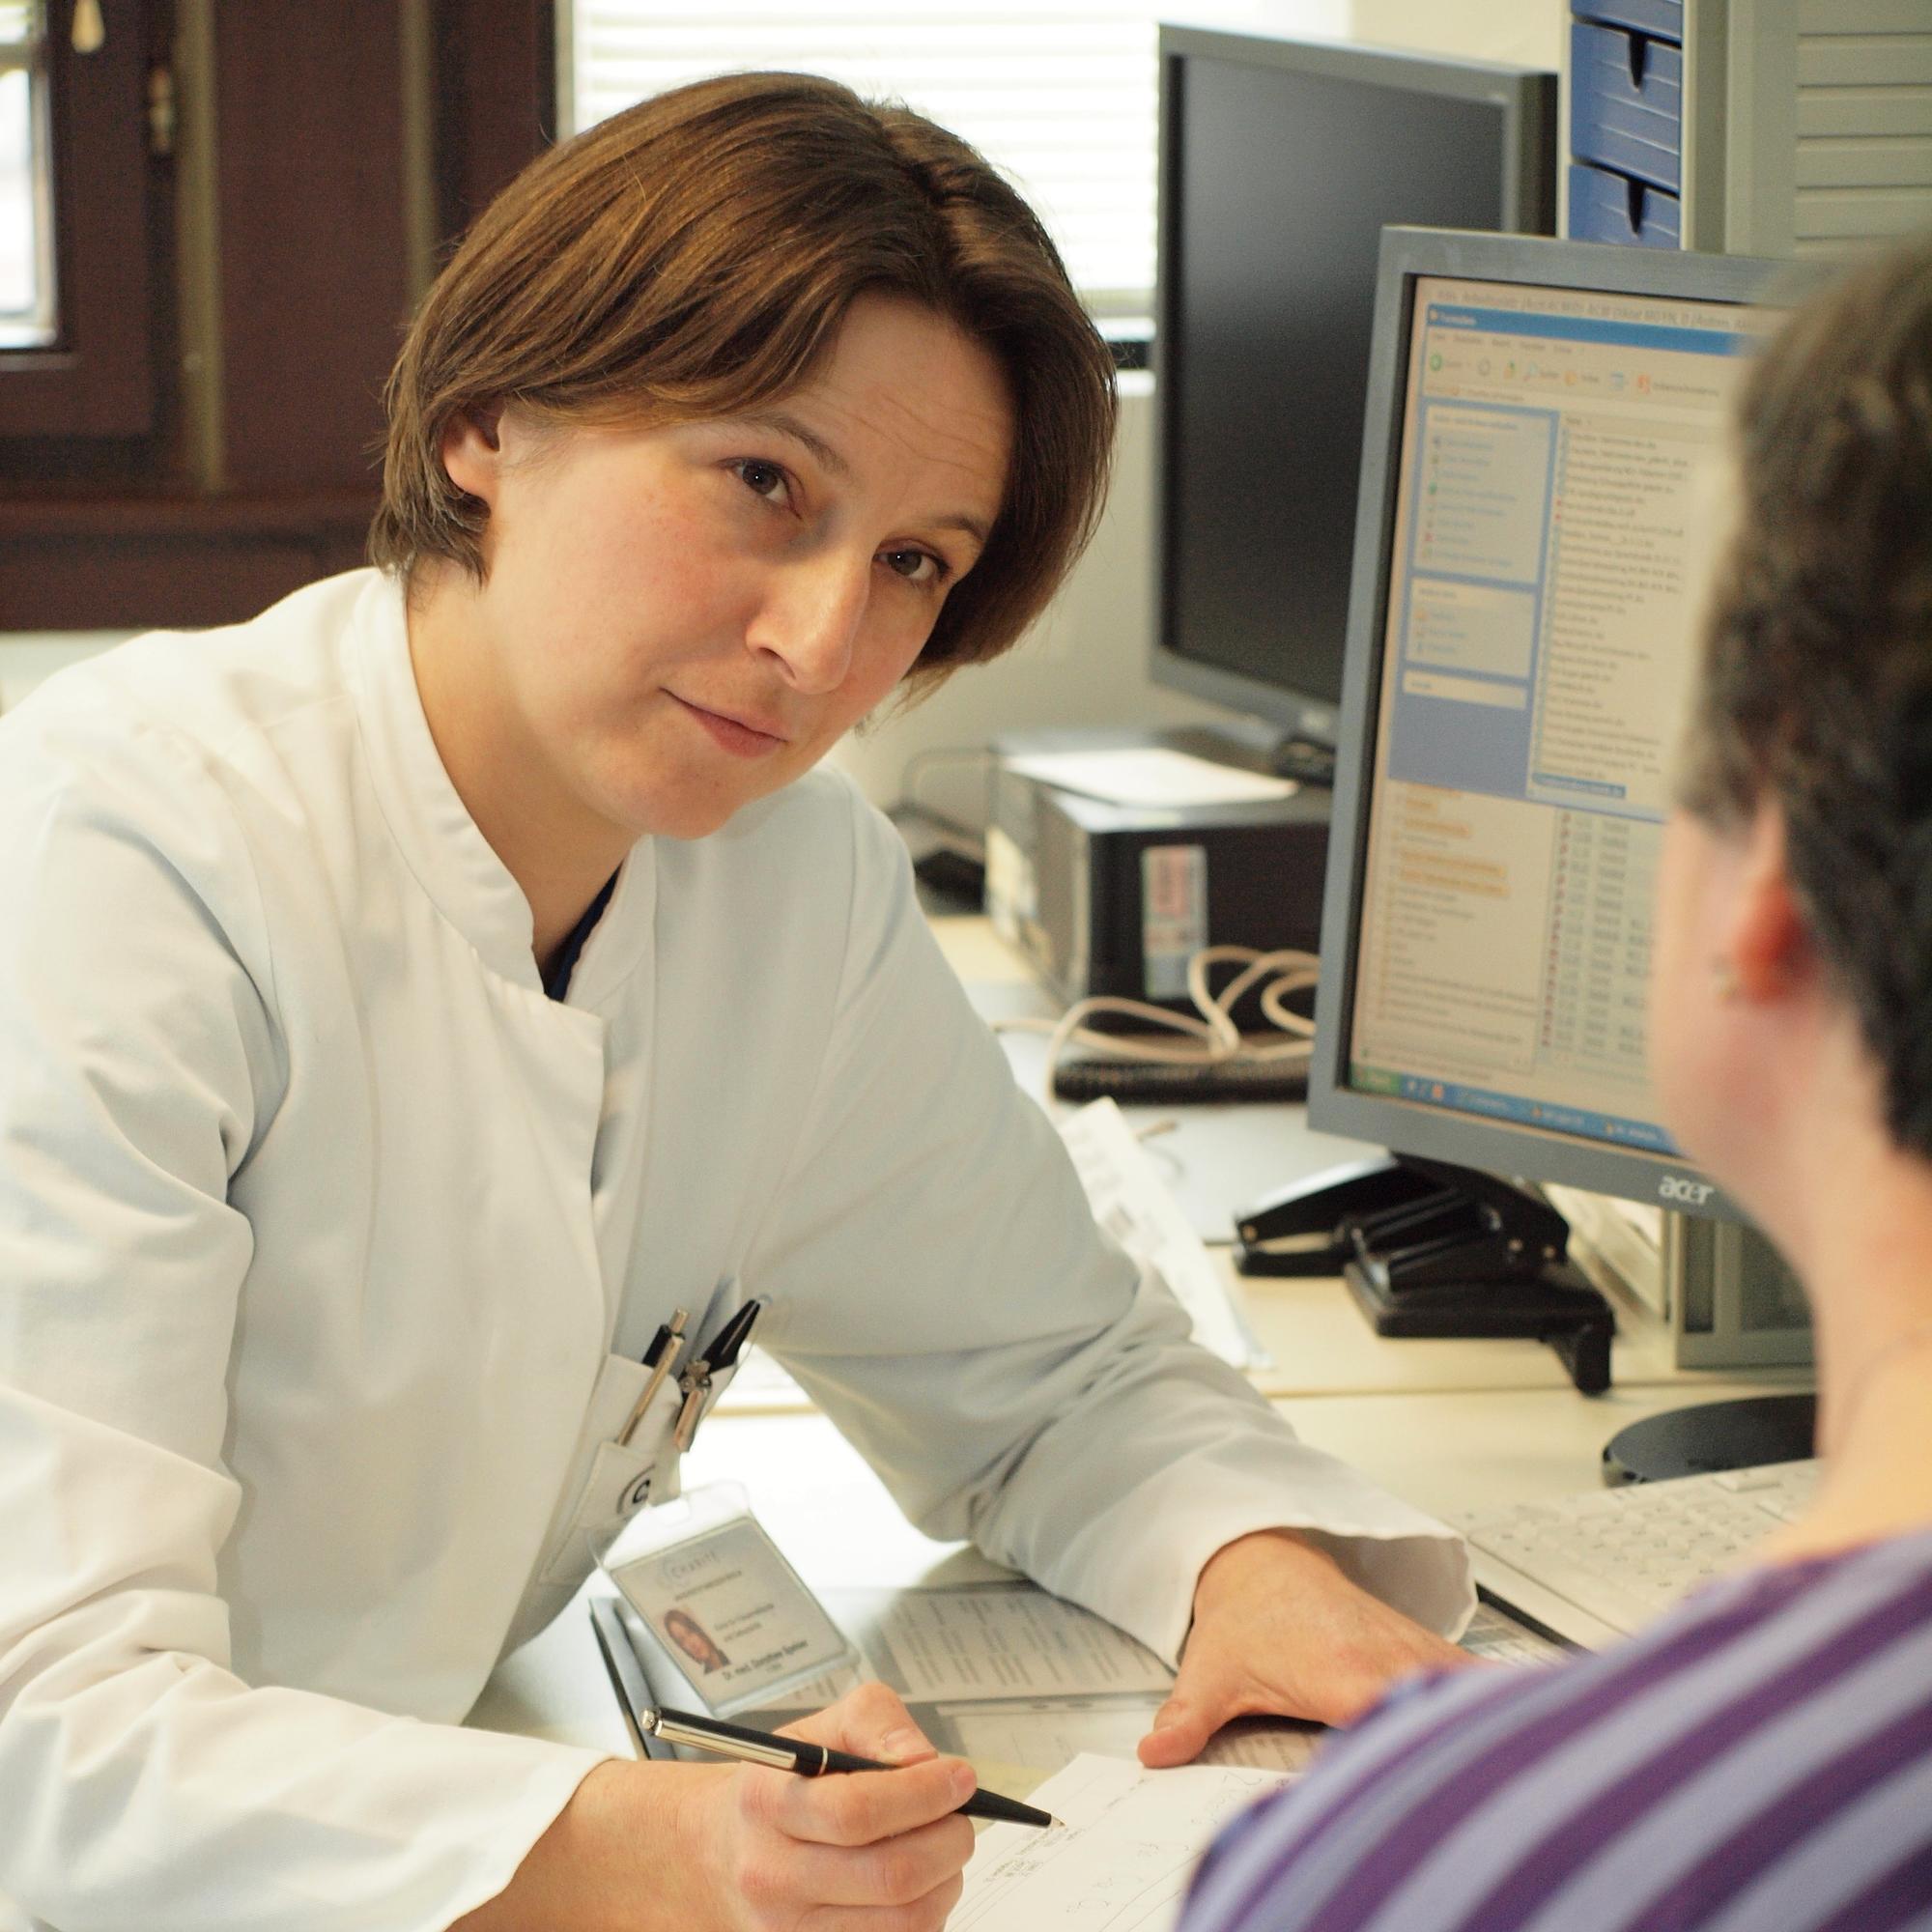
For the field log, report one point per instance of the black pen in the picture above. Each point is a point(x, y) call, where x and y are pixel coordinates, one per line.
point(808, 1761)
point(722, 1740)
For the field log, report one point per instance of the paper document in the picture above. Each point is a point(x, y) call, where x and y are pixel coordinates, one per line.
point(1131, 1202)
point(971, 1640)
point(1000, 1640)
point(1496, 1638)
point(1008, 1675)
point(1149, 774)
point(1122, 1858)
point(1047, 1732)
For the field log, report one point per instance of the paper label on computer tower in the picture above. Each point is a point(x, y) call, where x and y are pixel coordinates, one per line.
point(1012, 895)
point(1174, 916)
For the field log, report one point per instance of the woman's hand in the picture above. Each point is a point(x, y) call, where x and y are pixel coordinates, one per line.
point(735, 1848)
point(1279, 1631)
point(875, 1850)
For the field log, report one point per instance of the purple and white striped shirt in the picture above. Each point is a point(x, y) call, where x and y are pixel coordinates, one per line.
point(1758, 1761)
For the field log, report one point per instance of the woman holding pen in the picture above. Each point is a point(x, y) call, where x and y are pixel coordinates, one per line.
point(410, 997)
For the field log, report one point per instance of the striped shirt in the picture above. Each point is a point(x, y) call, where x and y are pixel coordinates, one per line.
point(1758, 1761)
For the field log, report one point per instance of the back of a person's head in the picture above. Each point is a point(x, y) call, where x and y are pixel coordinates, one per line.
point(695, 255)
point(1816, 688)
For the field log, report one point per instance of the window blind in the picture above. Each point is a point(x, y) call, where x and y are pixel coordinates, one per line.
point(1059, 95)
point(26, 191)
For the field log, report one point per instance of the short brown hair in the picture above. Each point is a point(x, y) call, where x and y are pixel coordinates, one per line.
point(1816, 680)
point(695, 254)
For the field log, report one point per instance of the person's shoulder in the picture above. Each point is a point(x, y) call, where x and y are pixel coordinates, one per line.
point(1536, 1772)
point(206, 691)
point(185, 746)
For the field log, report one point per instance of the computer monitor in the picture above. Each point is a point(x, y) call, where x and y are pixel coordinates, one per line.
point(1281, 161)
point(1546, 425)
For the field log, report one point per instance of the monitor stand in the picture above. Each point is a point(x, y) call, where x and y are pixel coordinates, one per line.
point(1712, 1437)
point(1429, 1248)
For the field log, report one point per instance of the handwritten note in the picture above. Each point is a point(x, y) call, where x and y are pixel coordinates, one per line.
point(1121, 1861)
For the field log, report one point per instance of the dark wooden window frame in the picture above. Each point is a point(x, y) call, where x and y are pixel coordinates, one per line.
point(98, 378)
point(102, 522)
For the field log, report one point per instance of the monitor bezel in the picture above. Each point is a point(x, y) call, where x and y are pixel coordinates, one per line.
point(1405, 1127)
point(1528, 98)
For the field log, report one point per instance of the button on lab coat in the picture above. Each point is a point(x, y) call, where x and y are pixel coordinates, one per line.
point(321, 1228)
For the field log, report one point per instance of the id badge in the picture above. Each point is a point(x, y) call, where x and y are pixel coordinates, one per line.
point(731, 1623)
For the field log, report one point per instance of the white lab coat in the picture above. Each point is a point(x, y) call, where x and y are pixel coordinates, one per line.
point(327, 1243)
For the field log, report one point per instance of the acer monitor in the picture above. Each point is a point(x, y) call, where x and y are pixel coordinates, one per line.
point(1544, 421)
point(1281, 160)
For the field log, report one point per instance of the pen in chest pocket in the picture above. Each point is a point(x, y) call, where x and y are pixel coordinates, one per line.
point(661, 1358)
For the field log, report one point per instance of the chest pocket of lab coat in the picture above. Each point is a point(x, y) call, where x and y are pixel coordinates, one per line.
point(608, 1483)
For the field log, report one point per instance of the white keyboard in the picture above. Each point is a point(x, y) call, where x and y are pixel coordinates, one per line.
point(1622, 1556)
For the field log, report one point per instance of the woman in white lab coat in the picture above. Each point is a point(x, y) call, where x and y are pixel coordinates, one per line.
point(410, 997)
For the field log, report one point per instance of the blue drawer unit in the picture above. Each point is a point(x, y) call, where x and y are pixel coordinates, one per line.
point(1662, 20)
point(1613, 207)
point(1627, 103)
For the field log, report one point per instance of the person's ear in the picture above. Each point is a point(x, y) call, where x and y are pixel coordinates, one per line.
point(472, 449)
point(1770, 947)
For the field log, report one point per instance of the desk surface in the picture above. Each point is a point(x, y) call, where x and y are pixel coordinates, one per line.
point(1442, 1450)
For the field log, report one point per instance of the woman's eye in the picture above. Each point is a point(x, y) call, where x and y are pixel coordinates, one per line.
point(916, 566)
point(764, 479)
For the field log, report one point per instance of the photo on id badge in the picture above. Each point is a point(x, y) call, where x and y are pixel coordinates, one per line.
point(734, 1619)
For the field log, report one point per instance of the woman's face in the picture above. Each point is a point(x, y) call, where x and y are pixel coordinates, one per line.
point(690, 1639)
point(679, 619)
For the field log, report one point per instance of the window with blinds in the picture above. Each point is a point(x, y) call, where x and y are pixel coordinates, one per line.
point(26, 186)
point(1061, 97)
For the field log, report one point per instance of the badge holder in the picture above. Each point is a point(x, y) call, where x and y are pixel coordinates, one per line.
point(719, 1620)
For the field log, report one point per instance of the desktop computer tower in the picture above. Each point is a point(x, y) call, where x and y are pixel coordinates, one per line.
point(1110, 898)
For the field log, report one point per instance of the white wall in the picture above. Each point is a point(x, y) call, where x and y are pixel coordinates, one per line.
point(1528, 32)
point(27, 657)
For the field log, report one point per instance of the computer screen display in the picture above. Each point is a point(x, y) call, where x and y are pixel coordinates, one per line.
point(1544, 492)
point(1280, 162)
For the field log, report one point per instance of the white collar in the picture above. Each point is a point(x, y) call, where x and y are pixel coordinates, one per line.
point(452, 861)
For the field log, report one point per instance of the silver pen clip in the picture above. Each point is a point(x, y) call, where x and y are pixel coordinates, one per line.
point(696, 1382)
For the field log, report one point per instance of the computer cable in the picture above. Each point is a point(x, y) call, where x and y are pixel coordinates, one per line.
point(1210, 1037)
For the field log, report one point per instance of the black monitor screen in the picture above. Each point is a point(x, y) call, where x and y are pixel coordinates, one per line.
point(1278, 181)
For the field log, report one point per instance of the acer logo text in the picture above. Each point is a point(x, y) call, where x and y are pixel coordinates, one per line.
point(1674, 1187)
